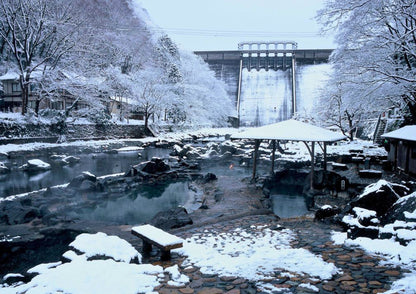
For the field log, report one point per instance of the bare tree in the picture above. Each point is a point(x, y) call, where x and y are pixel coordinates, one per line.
point(377, 45)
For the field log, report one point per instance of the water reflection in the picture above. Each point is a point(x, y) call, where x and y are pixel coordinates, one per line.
point(139, 206)
point(100, 164)
point(289, 205)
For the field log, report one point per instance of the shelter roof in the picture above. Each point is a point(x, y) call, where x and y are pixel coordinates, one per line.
point(290, 130)
point(407, 133)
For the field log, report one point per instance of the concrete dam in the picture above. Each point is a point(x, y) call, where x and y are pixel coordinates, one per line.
point(269, 85)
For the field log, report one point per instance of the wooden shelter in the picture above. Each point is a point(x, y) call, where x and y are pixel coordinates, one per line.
point(402, 149)
point(291, 130)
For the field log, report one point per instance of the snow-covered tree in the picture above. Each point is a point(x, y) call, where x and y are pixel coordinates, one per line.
point(36, 33)
point(205, 100)
point(376, 55)
point(149, 92)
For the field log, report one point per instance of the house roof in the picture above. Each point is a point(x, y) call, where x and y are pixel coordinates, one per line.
point(9, 76)
point(291, 130)
point(14, 76)
point(407, 133)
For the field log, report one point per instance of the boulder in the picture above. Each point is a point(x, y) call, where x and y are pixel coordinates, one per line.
point(227, 147)
point(326, 211)
point(209, 177)
point(172, 218)
point(34, 165)
point(3, 168)
point(71, 159)
point(156, 165)
point(403, 210)
point(13, 213)
point(379, 196)
point(77, 182)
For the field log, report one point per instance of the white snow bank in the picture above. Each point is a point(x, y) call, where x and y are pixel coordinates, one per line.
point(253, 256)
point(99, 276)
point(109, 246)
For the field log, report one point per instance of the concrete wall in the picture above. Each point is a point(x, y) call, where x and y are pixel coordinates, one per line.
point(226, 64)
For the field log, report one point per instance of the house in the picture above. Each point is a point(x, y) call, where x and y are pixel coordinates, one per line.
point(11, 95)
point(120, 106)
point(402, 149)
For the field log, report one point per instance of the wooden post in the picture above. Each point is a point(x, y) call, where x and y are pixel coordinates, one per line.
point(325, 159)
point(273, 155)
point(312, 163)
point(256, 151)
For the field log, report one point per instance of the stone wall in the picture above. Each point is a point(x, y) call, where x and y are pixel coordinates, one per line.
point(22, 133)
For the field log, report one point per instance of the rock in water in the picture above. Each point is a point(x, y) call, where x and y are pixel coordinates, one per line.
point(36, 165)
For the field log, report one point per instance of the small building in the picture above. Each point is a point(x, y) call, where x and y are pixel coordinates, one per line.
point(402, 149)
point(11, 95)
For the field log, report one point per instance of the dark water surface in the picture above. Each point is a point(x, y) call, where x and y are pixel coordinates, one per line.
point(98, 163)
point(288, 201)
point(138, 206)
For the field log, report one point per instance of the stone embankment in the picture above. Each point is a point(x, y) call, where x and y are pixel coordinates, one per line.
point(17, 134)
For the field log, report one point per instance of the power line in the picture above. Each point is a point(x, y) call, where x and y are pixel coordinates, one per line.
point(235, 33)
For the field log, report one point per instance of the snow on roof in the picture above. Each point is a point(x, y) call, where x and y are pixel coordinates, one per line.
point(290, 130)
point(406, 133)
point(9, 76)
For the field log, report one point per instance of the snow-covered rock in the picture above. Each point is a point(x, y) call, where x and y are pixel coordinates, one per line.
point(36, 165)
point(3, 168)
point(379, 196)
point(109, 246)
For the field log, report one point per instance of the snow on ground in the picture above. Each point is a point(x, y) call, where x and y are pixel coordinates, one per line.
point(394, 254)
point(253, 256)
point(119, 249)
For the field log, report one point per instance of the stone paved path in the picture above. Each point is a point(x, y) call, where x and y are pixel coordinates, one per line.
point(361, 272)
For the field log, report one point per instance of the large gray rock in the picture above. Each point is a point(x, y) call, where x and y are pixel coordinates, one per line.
point(77, 182)
point(156, 165)
point(34, 165)
point(13, 213)
point(172, 218)
point(379, 196)
point(402, 210)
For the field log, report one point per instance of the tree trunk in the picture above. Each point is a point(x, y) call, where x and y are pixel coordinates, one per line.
point(146, 119)
point(37, 104)
point(350, 125)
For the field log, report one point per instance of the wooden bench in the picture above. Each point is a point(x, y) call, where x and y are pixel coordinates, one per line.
point(157, 237)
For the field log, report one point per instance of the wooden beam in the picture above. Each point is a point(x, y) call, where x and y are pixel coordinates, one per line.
point(312, 163)
point(273, 155)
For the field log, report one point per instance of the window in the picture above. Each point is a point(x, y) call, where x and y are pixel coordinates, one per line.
point(16, 87)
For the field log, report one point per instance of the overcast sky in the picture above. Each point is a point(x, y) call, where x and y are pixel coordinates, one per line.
point(222, 24)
